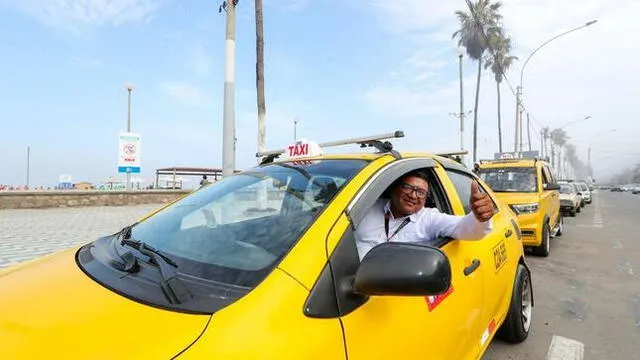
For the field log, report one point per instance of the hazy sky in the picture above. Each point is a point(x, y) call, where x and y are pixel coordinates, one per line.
point(344, 68)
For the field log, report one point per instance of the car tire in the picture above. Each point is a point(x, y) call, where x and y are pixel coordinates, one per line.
point(516, 325)
point(560, 225)
point(545, 246)
point(579, 209)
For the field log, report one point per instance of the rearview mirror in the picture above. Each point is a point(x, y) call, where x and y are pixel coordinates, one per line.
point(552, 186)
point(403, 269)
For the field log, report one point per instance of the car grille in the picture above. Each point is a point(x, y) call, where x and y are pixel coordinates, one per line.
point(566, 202)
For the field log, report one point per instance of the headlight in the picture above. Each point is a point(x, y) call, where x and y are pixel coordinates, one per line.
point(524, 208)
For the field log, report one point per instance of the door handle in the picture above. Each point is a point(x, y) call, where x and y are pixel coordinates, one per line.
point(475, 264)
point(508, 233)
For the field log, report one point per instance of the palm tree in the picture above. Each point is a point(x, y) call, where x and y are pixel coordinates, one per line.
point(499, 62)
point(559, 138)
point(477, 25)
point(262, 111)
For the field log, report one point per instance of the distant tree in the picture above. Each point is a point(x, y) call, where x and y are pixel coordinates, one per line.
point(477, 24)
point(499, 62)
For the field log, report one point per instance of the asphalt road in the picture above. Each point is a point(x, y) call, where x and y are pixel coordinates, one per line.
point(587, 292)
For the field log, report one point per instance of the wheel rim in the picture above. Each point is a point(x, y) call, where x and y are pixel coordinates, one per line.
point(546, 240)
point(527, 307)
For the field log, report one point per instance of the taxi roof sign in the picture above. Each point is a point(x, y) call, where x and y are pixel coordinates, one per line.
point(312, 148)
point(303, 148)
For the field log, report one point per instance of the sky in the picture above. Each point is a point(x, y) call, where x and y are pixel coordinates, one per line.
point(344, 69)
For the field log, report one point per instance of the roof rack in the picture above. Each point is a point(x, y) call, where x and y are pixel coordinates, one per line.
point(454, 155)
point(369, 141)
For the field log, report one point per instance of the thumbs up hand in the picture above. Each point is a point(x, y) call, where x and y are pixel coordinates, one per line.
point(481, 203)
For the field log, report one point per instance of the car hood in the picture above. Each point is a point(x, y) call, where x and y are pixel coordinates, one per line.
point(518, 198)
point(49, 308)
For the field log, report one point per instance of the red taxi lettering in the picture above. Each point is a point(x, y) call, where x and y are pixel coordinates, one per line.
point(298, 149)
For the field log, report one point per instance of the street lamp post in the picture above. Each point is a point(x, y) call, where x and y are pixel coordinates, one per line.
point(518, 132)
point(129, 88)
point(295, 129)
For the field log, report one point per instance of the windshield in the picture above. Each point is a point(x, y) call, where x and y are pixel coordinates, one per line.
point(566, 189)
point(510, 179)
point(236, 230)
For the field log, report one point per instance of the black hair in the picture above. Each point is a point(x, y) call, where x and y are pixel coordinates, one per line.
point(420, 173)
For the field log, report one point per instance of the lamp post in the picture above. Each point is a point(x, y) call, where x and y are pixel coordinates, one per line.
point(129, 88)
point(295, 129)
point(518, 132)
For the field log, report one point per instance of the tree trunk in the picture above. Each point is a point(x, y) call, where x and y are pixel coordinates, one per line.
point(260, 77)
point(499, 119)
point(475, 113)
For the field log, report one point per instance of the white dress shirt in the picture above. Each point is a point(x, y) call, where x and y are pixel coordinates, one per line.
point(423, 227)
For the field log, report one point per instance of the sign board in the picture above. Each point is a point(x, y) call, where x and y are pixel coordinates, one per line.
point(64, 179)
point(129, 152)
point(513, 155)
point(302, 148)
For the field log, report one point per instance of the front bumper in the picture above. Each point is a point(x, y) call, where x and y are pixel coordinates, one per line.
point(531, 227)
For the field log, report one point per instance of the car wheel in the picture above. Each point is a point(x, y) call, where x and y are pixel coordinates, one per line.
point(545, 246)
point(560, 226)
point(516, 325)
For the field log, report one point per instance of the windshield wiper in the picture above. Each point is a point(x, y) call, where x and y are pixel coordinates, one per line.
point(171, 285)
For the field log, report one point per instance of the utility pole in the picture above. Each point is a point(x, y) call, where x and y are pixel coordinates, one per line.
point(229, 116)
point(529, 130)
point(460, 54)
point(542, 148)
point(129, 88)
point(517, 147)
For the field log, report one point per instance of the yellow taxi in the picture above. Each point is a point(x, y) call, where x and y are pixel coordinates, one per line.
point(530, 188)
point(264, 265)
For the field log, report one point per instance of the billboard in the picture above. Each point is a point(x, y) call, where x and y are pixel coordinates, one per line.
point(129, 152)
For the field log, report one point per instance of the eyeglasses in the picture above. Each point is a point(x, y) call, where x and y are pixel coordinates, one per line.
point(408, 189)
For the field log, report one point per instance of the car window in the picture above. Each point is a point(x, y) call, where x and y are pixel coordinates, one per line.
point(462, 183)
point(234, 231)
point(510, 179)
point(546, 176)
point(566, 189)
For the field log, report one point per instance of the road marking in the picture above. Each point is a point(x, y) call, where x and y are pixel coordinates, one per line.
point(597, 215)
point(562, 348)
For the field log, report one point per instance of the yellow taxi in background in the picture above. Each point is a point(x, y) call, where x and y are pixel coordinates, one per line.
point(530, 188)
point(264, 265)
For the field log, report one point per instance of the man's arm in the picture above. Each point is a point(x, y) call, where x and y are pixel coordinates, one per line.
point(473, 226)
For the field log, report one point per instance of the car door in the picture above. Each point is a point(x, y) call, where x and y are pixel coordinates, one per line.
point(498, 253)
point(551, 198)
point(386, 327)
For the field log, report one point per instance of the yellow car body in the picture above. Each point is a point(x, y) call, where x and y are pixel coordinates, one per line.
point(77, 304)
point(542, 219)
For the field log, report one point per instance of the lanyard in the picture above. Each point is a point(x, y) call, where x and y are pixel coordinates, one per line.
point(386, 226)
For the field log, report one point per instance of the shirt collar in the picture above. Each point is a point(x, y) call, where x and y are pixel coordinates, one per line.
point(387, 210)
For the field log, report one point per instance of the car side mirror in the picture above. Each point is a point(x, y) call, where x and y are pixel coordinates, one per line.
point(552, 186)
point(403, 269)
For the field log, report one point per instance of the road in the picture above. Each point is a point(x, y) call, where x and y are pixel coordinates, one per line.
point(587, 292)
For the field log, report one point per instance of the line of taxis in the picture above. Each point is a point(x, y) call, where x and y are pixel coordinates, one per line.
point(263, 265)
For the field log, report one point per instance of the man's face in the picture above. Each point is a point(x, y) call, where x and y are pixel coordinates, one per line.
point(409, 196)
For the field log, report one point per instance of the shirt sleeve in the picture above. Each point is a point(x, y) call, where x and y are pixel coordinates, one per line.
point(458, 227)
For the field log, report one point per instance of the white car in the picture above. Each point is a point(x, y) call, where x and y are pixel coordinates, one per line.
point(569, 199)
point(583, 190)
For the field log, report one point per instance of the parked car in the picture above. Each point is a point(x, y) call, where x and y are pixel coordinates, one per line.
point(569, 199)
point(584, 192)
point(529, 187)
